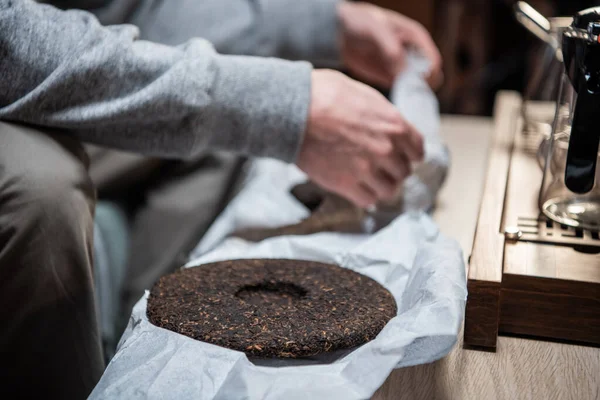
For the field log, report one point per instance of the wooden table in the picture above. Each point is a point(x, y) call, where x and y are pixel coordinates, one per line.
point(520, 369)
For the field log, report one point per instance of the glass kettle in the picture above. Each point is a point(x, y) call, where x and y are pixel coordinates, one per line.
point(570, 193)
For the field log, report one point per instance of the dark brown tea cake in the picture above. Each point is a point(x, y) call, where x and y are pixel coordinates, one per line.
point(272, 307)
point(329, 213)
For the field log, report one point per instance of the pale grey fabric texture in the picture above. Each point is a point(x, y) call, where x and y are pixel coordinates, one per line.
point(290, 29)
point(62, 69)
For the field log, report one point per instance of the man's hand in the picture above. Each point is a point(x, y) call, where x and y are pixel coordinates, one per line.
point(374, 40)
point(356, 144)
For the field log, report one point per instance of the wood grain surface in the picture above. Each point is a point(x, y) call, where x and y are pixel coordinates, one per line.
point(485, 266)
point(482, 314)
point(520, 368)
point(557, 262)
point(486, 258)
point(550, 315)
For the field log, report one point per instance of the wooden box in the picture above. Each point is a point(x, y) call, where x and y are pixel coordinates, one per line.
point(544, 282)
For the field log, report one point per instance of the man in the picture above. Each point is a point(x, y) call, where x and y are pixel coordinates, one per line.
point(66, 79)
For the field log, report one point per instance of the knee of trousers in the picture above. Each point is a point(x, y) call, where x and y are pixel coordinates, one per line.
point(49, 330)
point(46, 212)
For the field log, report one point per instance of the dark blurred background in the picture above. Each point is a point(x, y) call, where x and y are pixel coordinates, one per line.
point(484, 48)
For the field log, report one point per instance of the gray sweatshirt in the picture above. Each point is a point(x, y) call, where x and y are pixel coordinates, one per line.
point(152, 89)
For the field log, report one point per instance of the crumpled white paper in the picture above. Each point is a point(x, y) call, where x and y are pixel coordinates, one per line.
point(422, 269)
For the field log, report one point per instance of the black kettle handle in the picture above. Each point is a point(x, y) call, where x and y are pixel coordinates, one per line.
point(583, 143)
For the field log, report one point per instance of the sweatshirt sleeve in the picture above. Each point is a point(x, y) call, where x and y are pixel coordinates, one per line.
point(291, 29)
point(62, 69)
point(302, 29)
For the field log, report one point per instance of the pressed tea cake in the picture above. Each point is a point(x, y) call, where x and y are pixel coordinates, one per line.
point(330, 213)
point(272, 308)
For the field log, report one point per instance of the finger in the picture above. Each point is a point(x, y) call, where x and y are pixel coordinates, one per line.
point(417, 145)
point(371, 137)
point(404, 136)
point(396, 166)
point(361, 137)
point(407, 145)
point(377, 144)
point(416, 35)
point(361, 195)
point(435, 79)
point(393, 54)
point(410, 142)
point(381, 184)
point(400, 63)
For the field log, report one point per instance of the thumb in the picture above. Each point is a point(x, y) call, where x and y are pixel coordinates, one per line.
point(393, 53)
